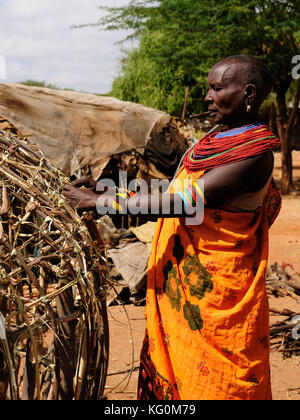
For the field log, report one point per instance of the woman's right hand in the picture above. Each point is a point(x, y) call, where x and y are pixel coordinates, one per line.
point(80, 199)
point(86, 181)
point(95, 186)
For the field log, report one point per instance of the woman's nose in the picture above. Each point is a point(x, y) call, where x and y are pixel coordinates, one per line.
point(208, 97)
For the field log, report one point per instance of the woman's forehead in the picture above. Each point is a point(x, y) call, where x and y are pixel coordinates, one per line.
point(224, 73)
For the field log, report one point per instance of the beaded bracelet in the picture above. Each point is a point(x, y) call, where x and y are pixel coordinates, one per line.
point(121, 199)
point(117, 206)
point(124, 191)
point(191, 196)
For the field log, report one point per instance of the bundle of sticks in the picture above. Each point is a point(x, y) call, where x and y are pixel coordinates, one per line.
point(285, 334)
point(53, 319)
point(283, 281)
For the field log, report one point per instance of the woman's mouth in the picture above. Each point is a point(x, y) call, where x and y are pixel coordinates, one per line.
point(213, 113)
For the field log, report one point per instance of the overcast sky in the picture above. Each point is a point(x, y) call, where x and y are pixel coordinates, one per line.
point(38, 44)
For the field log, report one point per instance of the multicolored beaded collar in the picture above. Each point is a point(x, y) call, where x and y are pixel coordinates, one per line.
point(218, 149)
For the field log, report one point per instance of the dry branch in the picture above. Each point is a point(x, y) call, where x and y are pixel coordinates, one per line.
point(52, 285)
point(284, 281)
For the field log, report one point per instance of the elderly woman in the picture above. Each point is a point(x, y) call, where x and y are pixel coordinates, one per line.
point(207, 333)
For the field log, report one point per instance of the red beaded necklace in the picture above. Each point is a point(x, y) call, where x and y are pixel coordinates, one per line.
point(218, 149)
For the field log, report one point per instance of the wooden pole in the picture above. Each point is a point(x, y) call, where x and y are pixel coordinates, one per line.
point(285, 132)
point(186, 97)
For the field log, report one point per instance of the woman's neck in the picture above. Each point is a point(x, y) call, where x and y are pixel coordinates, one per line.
point(247, 120)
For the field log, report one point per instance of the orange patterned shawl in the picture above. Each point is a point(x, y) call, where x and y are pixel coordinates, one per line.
point(207, 335)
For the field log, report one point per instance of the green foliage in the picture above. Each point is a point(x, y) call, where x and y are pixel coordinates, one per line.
point(180, 40)
point(292, 91)
point(264, 113)
point(42, 84)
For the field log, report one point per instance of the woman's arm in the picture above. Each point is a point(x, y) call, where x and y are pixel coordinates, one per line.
point(220, 186)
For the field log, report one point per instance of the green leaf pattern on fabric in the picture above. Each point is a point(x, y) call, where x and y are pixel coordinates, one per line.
point(195, 276)
point(171, 285)
point(192, 315)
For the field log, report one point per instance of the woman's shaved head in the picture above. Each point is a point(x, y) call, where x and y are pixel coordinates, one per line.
point(251, 71)
point(237, 86)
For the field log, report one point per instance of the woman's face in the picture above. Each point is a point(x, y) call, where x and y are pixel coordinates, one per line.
point(227, 94)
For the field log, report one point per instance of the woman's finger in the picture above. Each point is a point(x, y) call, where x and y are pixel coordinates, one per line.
point(81, 182)
point(68, 187)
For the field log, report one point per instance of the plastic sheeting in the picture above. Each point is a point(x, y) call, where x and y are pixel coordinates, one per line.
point(73, 129)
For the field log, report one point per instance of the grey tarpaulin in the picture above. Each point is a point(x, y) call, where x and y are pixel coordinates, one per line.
point(131, 260)
point(77, 129)
point(129, 254)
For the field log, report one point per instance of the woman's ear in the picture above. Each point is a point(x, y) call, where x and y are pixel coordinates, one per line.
point(250, 94)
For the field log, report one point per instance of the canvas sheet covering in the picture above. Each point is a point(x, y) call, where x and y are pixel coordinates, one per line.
point(74, 129)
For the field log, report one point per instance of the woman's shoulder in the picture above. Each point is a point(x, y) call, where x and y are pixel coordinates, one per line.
point(259, 168)
point(230, 181)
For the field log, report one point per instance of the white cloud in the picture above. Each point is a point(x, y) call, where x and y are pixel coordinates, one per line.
point(38, 43)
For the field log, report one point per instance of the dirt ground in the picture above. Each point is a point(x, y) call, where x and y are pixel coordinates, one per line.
point(126, 341)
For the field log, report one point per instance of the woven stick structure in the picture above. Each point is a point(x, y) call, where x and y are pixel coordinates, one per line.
point(53, 320)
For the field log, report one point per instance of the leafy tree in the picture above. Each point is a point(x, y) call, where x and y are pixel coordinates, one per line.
point(181, 39)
